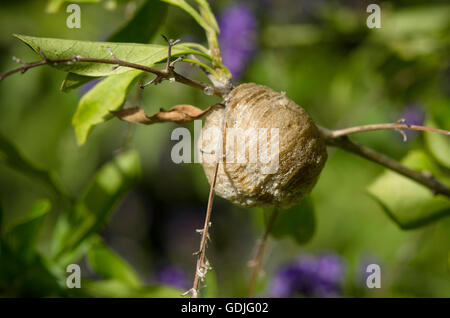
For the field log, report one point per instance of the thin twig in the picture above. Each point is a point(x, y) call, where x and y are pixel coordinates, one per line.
point(423, 177)
point(256, 262)
point(352, 130)
point(166, 74)
point(202, 266)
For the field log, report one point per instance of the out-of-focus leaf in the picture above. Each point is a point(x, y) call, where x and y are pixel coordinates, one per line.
point(143, 54)
point(23, 236)
point(54, 5)
point(109, 185)
point(205, 24)
point(438, 144)
point(449, 260)
point(70, 256)
point(143, 25)
point(297, 222)
point(415, 31)
point(139, 29)
point(407, 202)
point(11, 156)
point(210, 290)
point(95, 105)
point(119, 289)
point(1, 221)
point(28, 277)
point(109, 265)
point(207, 14)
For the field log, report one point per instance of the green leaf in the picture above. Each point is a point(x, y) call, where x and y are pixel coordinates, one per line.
point(12, 157)
point(93, 209)
point(139, 29)
point(184, 5)
point(297, 222)
point(109, 265)
point(438, 144)
point(55, 5)
point(143, 54)
point(407, 202)
point(95, 106)
point(415, 31)
point(22, 237)
point(207, 14)
point(72, 81)
point(111, 92)
point(210, 288)
point(118, 289)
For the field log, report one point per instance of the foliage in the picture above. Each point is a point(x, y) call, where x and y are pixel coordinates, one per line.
point(330, 63)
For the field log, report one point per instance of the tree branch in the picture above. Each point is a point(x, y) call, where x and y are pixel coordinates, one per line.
point(202, 264)
point(166, 74)
point(256, 262)
point(425, 178)
point(396, 126)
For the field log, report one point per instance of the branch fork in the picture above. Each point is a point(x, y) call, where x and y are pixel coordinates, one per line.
point(166, 74)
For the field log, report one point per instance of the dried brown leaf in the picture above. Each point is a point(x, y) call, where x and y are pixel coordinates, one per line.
point(177, 114)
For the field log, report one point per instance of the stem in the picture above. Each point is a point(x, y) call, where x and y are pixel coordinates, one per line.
point(201, 266)
point(423, 177)
point(222, 74)
point(256, 262)
point(164, 74)
point(352, 130)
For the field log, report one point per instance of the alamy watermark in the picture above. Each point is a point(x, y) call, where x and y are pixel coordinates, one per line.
point(374, 18)
point(73, 21)
point(373, 280)
point(253, 145)
point(74, 279)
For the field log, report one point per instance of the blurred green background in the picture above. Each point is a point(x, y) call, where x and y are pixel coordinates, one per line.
point(140, 244)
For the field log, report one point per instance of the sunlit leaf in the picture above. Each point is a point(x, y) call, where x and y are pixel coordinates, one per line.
point(110, 94)
point(141, 28)
point(407, 202)
point(96, 104)
point(143, 54)
point(297, 222)
point(109, 265)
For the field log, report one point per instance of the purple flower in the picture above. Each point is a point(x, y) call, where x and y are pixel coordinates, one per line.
point(316, 276)
point(238, 32)
point(413, 114)
point(173, 276)
point(88, 86)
